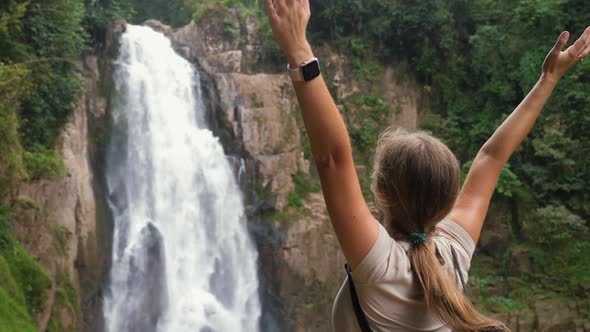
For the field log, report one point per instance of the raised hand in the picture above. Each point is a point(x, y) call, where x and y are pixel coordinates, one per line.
point(288, 20)
point(558, 62)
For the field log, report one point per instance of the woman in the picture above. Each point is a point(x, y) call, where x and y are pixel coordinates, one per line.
point(405, 274)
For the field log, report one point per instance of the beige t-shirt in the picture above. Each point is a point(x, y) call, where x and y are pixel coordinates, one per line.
point(387, 291)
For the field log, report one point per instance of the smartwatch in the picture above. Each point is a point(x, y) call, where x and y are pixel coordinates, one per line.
point(307, 71)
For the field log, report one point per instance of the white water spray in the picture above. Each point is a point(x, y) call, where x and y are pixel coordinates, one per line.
point(182, 256)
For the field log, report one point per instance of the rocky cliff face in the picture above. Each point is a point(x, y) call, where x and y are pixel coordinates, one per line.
point(64, 222)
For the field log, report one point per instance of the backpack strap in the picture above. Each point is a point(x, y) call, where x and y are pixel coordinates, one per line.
point(358, 310)
point(458, 268)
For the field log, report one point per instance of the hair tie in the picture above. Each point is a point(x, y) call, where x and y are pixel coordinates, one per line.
point(418, 238)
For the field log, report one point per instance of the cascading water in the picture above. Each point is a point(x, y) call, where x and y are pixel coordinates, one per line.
point(182, 256)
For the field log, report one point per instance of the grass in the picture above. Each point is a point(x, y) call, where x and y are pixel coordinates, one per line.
point(41, 162)
point(14, 315)
point(25, 284)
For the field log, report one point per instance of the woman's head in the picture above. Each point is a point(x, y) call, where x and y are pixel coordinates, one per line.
point(416, 180)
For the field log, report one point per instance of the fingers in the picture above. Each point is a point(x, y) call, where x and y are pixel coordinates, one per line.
point(280, 6)
point(561, 41)
point(586, 51)
point(270, 8)
point(306, 5)
point(580, 45)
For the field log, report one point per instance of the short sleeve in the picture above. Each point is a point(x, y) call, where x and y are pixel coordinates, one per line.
point(456, 234)
point(376, 262)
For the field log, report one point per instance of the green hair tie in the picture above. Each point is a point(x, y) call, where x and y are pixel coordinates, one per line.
point(418, 238)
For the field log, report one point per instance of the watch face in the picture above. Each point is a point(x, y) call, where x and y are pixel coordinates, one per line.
point(310, 71)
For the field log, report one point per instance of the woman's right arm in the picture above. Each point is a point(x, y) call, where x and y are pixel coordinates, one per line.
point(472, 204)
point(355, 227)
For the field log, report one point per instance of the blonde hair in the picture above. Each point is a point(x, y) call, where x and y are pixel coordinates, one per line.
point(415, 181)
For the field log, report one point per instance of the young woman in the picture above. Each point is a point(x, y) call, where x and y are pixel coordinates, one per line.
point(405, 274)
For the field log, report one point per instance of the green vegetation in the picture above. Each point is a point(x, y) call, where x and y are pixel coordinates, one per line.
point(40, 43)
point(172, 12)
point(41, 162)
point(23, 291)
point(40, 46)
point(60, 236)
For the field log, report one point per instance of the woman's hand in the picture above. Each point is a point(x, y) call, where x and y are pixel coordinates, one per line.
point(558, 62)
point(289, 19)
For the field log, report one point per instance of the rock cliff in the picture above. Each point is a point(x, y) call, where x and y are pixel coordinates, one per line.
point(64, 222)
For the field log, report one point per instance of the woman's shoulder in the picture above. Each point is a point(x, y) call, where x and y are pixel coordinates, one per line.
point(455, 235)
point(387, 256)
point(449, 236)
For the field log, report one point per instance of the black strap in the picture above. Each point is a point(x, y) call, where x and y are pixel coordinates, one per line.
point(358, 311)
point(458, 268)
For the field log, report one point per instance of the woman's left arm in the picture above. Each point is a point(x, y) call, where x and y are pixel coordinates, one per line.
point(472, 204)
point(350, 216)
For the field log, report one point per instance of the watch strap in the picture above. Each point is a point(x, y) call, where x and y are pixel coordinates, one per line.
point(295, 74)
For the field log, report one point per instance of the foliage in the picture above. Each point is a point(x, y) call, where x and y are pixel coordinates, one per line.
point(27, 283)
point(55, 37)
point(41, 162)
point(172, 12)
point(13, 315)
point(12, 86)
point(40, 43)
point(555, 227)
point(100, 13)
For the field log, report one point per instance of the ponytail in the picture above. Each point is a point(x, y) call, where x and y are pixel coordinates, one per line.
point(443, 297)
point(416, 180)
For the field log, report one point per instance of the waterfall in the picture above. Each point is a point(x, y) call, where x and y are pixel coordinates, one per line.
point(182, 258)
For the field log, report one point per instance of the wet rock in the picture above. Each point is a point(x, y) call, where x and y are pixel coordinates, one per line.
point(159, 26)
point(147, 281)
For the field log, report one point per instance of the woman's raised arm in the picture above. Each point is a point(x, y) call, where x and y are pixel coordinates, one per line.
point(351, 218)
point(472, 204)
